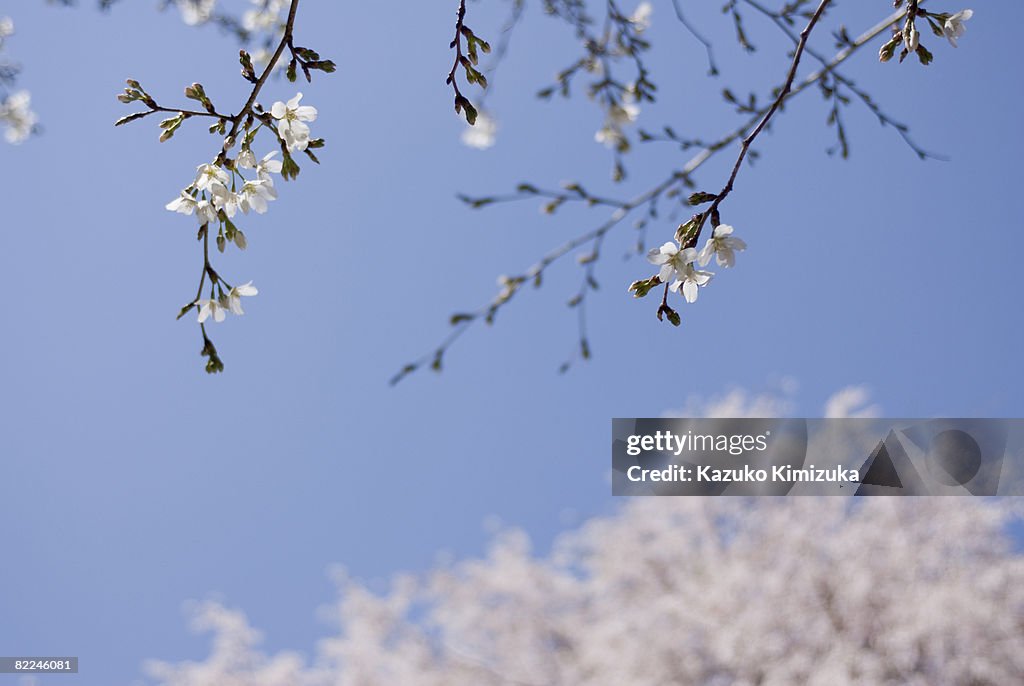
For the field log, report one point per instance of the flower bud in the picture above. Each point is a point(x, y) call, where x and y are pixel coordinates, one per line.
point(912, 38)
point(887, 51)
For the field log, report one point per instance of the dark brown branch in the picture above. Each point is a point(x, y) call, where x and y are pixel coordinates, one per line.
point(712, 67)
point(457, 45)
point(468, 61)
point(237, 120)
point(191, 113)
point(784, 92)
point(862, 95)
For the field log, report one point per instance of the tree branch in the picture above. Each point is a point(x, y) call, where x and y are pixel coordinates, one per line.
point(752, 136)
point(670, 185)
point(236, 121)
point(862, 95)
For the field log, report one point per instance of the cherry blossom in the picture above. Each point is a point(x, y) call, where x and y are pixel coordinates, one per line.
point(265, 17)
point(954, 27)
point(690, 280)
point(211, 308)
point(264, 168)
point(194, 12)
point(291, 122)
point(255, 195)
point(18, 116)
point(481, 135)
point(235, 296)
point(183, 204)
point(246, 160)
point(206, 212)
point(672, 261)
point(226, 200)
point(619, 114)
point(641, 18)
point(722, 245)
point(210, 175)
point(798, 590)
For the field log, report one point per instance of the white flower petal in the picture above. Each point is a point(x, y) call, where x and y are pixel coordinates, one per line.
point(705, 254)
point(306, 113)
point(246, 289)
point(204, 310)
point(690, 291)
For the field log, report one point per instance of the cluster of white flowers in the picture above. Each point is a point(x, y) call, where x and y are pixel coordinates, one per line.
point(231, 301)
point(209, 193)
point(195, 12)
point(209, 197)
point(217, 194)
point(266, 16)
point(677, 265)
point(717, 591)
point(481, 135)
point(291, 124)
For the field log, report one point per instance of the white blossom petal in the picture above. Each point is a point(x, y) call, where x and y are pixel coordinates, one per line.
point(690, 291)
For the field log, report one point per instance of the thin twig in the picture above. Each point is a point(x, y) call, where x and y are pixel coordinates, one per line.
point(883, 118)
point(457, 44)
point(752, 136)
point(501, 51)
point(712, 67)
point(191, 113)
point(236, 122)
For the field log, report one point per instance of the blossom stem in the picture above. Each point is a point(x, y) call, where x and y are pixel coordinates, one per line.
point(712, 67)
point(457, 44)
point(191, 113)
point(205, 231)
point(784, 92)
point(850, 85)
point(236, 122)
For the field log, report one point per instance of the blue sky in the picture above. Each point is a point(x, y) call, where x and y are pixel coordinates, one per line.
point(131, 481)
